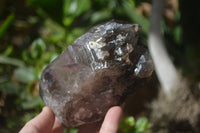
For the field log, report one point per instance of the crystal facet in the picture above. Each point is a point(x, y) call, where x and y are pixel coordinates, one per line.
point(96, 72)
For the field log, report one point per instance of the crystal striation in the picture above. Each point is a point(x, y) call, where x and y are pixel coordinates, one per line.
point(96, 72)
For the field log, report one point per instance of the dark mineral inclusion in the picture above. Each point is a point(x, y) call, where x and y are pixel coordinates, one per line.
point(96, 72)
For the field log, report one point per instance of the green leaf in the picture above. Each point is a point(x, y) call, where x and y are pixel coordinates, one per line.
point(75, 33)
point(71, 130)
point(24, 75)
point(8, 51)
point(178, 34)
point(135, 17)
point(130, 121)
point(56, 32)
point(100, 15)
point(67, 21)
point(76, 7)
point(37, 49)
point(9, 88)
point(127, 125)
point(141, 125)
point(6, 24)
point(31, 102)
point(48, 9)
point(11, 61)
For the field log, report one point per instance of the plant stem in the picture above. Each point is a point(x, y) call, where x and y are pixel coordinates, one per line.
point(165, 69)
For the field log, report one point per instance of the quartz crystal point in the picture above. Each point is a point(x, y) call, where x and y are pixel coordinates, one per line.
point(96, 72)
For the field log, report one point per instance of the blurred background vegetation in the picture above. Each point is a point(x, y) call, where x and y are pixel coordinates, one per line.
point(34, 32)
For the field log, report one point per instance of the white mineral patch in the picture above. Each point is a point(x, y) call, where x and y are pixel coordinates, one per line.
point(97, 29)
point(102, 54)
point(119, 51)
point(100, 65)
point(96, 46)
point(121, 37)
point(139, 65)
point(129, 47)
point(137, 28)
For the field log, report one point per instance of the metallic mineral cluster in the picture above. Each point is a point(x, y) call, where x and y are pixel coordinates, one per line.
point(98, 71)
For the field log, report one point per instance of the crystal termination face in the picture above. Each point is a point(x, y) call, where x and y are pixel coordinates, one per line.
point(96, 72)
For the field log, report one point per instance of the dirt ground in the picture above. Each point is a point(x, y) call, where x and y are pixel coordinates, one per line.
point(180, 114)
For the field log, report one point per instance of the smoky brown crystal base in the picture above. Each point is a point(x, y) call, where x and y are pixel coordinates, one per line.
point(96, 72)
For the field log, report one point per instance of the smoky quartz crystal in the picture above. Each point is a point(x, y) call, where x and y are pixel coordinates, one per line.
point(96, 72)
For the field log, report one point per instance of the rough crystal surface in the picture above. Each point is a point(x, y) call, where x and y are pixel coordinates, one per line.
point(96, 72)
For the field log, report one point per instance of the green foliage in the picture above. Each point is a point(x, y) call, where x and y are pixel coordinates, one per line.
point(48, 8)
point(129, 8)
point(38, 47)
point(130, 125)
point(11, 61)
point(6, 24)
point(72, 130)
point(62, 22)
point(141, 125)
point(24, 75)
